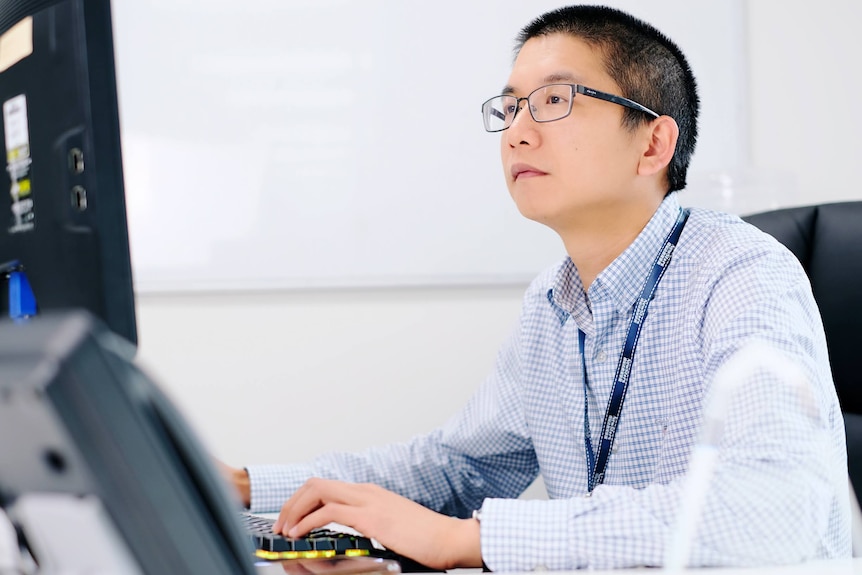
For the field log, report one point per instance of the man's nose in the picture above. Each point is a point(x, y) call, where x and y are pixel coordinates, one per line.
point(522, 125)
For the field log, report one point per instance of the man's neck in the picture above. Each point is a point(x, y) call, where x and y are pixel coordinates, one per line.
point(594, 244)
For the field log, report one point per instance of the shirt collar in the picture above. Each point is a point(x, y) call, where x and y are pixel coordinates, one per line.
point(623, 279)
point(567, 291)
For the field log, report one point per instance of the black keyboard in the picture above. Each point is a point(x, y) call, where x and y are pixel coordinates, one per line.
point(318, 543)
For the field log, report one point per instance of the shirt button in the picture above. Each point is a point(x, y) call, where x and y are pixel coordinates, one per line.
point(601, 357)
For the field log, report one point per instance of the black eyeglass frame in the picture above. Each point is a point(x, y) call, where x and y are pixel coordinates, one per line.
point(576, 89)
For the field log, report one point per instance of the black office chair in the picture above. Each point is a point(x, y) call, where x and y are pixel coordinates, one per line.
point(827, 239)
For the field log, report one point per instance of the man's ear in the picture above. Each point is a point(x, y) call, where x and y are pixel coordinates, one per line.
point(661, 143)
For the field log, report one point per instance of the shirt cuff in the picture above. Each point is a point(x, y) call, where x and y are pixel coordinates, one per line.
point(529, 535)
point(271, 485)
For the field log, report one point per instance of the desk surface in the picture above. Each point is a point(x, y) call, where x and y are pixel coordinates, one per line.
point(357, 565)
point(837, 567)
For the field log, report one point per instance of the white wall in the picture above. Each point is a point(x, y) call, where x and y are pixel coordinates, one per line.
point(281, 376)
point(805, 84)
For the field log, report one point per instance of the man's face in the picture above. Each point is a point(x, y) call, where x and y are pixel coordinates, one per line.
point(577, 169)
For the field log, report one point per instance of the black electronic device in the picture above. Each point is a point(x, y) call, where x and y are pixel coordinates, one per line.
point(63, 220)
point(100, 472)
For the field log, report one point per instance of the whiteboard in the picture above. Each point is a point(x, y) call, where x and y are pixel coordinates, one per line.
point(273, 144)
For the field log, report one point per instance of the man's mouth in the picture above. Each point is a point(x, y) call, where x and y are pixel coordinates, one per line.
point(519, 171)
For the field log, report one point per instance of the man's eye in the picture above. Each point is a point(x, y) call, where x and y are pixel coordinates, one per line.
point(511, 109)
point(556, 100)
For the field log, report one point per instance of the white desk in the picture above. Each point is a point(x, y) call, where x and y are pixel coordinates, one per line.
point(836, 567)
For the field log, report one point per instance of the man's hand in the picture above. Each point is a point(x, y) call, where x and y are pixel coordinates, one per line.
point(397, 523)
point(239, 479)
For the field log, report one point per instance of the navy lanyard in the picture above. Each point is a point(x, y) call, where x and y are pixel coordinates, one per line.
point(621, 379)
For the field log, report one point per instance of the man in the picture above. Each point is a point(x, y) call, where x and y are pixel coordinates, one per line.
point(598, 123)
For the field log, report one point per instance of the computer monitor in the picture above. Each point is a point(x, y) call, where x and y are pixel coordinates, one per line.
point(64, 218)
point(82, 428)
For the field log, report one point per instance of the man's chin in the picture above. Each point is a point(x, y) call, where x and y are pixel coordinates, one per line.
point(539, 216)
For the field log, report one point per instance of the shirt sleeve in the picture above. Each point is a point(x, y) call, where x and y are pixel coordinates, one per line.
point(781, 468)
point(483, 451)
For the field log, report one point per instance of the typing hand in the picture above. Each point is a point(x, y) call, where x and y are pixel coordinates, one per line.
point(397, 523)
point(238, 478)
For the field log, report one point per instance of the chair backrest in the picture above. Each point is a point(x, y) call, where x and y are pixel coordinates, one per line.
point(827, 239)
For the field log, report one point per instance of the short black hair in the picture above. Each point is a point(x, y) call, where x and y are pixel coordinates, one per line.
point(648, 67)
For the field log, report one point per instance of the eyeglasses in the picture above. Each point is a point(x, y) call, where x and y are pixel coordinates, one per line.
point(546, 104)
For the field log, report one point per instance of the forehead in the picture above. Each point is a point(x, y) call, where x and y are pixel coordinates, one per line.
point(557, 58)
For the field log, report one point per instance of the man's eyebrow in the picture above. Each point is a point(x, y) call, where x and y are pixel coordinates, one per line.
point(560, 77)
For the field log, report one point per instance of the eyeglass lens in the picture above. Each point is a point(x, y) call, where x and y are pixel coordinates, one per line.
point(547, 104)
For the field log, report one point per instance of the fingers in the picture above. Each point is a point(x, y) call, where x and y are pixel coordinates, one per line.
point(310, 496)
point(329, 513)
point(314, 495)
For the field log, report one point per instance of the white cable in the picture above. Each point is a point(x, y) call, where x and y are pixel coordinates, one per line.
point(757, 355)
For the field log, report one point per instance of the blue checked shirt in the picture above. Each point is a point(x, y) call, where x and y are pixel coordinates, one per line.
point(779, 492)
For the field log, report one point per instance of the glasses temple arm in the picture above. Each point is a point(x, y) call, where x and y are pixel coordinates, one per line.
point(615, 99)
